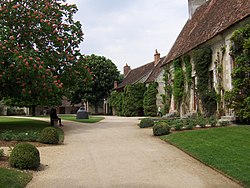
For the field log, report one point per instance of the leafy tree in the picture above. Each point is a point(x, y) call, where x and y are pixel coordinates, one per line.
point(239, 97)
point(149, 100)
point(104, 73)
point(39, 43)
point(133, 99)
point(116, 100)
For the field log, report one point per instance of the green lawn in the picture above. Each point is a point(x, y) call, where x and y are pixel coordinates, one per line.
point(19, 125)
point(13, 178)
point(226, 149)
point(92, 119)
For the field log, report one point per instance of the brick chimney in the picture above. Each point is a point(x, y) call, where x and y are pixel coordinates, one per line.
point(157, 57)
point(115, 84)
point(193, 5)
point(126, 70)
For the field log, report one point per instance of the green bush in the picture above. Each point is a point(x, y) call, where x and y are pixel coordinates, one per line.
point(146, 122)
point(1, 153)
point(161, 128)
point(25, 156)
point(190, 124)
point(224, 123)
point(202, 122)
point(178, 125)
point(212, 121)
point(49, 135)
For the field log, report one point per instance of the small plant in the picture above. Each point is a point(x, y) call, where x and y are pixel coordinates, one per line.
point(161, 128)
point(146, 122)
point(190, 124)
point(178, 125)
point(212, 121)
point(224, 123)
point(25, 156)
point(1, 153)
point(202, 122)
point(7, 136)
point(49, 135)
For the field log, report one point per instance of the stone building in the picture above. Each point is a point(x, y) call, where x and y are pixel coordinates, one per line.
point(147, 73)
point(211, 24)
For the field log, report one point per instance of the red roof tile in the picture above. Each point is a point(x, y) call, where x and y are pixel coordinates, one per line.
point(208, 21)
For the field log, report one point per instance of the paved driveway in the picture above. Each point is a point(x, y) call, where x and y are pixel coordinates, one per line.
point(116, 153)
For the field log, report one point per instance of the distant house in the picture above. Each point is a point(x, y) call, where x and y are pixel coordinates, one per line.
point(150, 72)
point(211, 24)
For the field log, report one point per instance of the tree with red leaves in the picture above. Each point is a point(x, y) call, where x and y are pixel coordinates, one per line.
point(39, 50)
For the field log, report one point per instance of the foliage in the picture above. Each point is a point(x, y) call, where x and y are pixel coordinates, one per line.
point(190, 123)
point(22, 136)
point(1, 152)
point(149, 100)
point(188, 72)
point(133, 99)
point(212, 121)
point(178, 87)
point(49, 135)
point(178, 125)
point(226, 149)
point(104, 72)
point(161, 128)
point(238, 99)
point(14, 178)
point(146, 122)
point(202, 59)
point(223, 123)
point(116, 100)
point(39, 45)
point(166, 97)
point(25, 156)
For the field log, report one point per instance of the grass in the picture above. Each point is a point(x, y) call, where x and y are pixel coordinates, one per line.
point(14, 178)
point(226, 149)
point(92, 119)
point(21, 125)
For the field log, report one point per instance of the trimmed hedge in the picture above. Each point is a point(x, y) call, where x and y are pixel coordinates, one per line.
point(25, 156)
point(49, 135)
point(146, 122)
point(161, 128)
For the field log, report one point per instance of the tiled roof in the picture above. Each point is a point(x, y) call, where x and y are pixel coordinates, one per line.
point(208, 21)
point(143, 74)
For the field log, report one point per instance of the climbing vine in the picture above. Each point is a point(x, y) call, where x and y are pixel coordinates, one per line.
point(239, 98)
point(178, 87)
point(116, 101)
point(202, 59)
point(133, 99)
point(166, 97)
point(149, 100)
point(188, 72)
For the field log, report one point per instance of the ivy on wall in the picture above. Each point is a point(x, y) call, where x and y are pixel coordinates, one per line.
point(202, 59)
point(149, 100)
point(188, 72)
point(239, 98)
point(166, 97)
point(178, 87)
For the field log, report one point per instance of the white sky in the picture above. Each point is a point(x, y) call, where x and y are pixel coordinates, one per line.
point(129, 31)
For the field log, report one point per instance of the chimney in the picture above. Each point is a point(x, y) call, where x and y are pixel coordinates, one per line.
point(115, 84)
point(193, 5)
point(157, 57)
point(126, 70)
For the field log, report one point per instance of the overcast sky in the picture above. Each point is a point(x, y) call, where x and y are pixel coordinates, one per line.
point(129, 31)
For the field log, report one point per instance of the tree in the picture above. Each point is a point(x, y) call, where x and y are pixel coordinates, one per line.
point(39, 43)
point(104, 73)
point(149, 100)
point(133, 99)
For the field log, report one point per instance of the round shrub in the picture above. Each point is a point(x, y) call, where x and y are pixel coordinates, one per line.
point(25, 156)
point(161, 128)
point(146, 123)
point(49, 135)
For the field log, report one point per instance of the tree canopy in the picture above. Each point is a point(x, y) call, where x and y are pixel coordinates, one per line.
point(39, 47)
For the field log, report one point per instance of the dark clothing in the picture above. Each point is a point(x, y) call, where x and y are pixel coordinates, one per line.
point(53, 116)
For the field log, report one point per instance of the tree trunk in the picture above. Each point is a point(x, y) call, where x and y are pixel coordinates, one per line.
point(33, 110)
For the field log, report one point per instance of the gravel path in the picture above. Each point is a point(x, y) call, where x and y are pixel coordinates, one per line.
point(115, 153)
